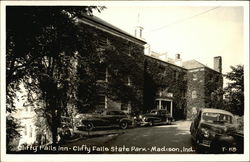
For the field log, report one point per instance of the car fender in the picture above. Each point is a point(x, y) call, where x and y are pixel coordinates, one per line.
point(153, 119)
point(126, 120)
point(93, 120)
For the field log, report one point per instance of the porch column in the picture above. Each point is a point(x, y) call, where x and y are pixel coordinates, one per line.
point(159, 104)
point(171, 108)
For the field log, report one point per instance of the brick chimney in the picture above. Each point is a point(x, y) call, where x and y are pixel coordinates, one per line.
point(218, 64)
point(177, 56)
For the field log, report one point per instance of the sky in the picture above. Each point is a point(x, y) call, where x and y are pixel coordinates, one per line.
point(196, 32)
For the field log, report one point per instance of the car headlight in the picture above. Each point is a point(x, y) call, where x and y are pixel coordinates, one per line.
point(205, 132)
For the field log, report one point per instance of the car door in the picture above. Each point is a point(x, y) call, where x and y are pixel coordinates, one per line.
point(114, 117)
point(163, 115)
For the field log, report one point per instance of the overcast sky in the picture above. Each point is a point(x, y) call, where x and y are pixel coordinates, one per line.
point(195, 32)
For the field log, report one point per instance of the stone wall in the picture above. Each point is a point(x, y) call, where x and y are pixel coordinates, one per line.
point(203, 85)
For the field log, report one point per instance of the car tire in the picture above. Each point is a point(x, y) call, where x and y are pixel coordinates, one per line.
point(168, 121)
point(150, 123)
point(124, 125)
point(89, 126)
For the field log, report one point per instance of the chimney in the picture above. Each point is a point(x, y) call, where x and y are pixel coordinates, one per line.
point(178, 60)
point(218, 64)
point(177, 56)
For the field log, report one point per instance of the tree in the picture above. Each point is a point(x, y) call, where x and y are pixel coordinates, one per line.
point(42, 43)
point(234, 92)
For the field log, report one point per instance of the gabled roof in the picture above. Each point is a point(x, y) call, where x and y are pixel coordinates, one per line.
point(192, 64)
point(98, 22)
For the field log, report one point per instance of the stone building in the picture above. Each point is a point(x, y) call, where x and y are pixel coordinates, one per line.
point(182, 87)
point(118, 71)
point(203, 84)
point(165, 87)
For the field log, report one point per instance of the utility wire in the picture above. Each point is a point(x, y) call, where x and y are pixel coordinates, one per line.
point(182, 20)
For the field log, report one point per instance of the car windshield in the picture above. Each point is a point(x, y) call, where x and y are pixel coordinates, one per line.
point(216, 117)
point(153, 112)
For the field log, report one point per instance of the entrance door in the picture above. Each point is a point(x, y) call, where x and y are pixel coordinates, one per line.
point(164, 104)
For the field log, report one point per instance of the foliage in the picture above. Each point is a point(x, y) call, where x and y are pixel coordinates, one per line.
point(234, 92)
point(105, 51)
point(164, 77)
point(12, 134)
point(42, 43)
point(213, 90)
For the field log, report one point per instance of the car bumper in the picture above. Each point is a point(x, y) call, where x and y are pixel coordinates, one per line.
point(143, 123)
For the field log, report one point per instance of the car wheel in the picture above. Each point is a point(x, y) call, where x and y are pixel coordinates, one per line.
point(124, 125)
point(89, 126)
point(151, 123)
point(168, 121)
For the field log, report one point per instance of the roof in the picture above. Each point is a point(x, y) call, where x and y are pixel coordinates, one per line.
point(165, 62)
point(213, 110)
point(99, 21)
point(192, 64)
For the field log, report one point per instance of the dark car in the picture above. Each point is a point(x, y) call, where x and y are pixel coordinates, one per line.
point(213, 127)
point(155, 117)
point(110, 118)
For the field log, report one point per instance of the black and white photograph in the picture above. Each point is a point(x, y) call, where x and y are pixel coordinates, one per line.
point(97, 79)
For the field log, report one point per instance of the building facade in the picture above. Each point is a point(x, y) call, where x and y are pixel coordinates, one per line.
point(165, 87)
point(117, 75)
point(203, 86)
point(185, 86)
point(117, 72)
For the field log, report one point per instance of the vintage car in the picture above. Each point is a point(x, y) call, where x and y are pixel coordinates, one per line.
point(211, 127)
point(155, 117)
point(110, 118)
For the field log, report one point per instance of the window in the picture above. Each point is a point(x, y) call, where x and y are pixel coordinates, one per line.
point(102, 73)
point(194, 76)
point(176, 75)
point(101, 101)
point(124, 106)
point(129, 81)
point(129, 51)
point(25, 130)
point(112, 113)
point(217, 79)
point(194, 94)
point(31, 131)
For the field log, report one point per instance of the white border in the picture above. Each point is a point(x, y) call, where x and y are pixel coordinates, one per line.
point(122, 157)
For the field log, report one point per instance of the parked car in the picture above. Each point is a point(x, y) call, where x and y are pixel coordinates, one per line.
point(110, 118)
point(155, 117)
point(214, 129)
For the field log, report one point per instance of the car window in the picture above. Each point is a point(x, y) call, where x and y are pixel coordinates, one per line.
point(153, 112)
point(216, 117)
point(111, 113)
point(162, 112)
point(115, 113)
point(122, 113)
